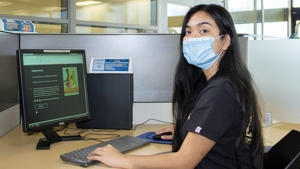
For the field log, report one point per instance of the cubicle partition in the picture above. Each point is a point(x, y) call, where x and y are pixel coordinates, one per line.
point(8, 74)
point(154, 57)
point(275, 67)
point(9, 117)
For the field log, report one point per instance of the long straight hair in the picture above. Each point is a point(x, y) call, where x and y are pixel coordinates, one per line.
point(189, 82)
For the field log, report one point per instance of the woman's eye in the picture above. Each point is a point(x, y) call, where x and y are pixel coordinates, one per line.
point(187, 32)
point(203, 31)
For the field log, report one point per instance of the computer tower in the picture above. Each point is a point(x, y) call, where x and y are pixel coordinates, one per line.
point(110, 101)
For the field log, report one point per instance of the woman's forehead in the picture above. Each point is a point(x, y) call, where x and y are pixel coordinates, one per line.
point(199, 17)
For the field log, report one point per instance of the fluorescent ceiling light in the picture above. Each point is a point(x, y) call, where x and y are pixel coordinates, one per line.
point(53, 8)
point(21, 12)
point(85, 3)
point(5, 3)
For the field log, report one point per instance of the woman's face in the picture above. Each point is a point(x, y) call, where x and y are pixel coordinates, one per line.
point(202, 25)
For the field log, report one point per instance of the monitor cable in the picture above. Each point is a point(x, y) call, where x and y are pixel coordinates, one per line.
point(150, 120)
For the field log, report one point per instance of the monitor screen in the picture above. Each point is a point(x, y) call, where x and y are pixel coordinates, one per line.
point(53, 89)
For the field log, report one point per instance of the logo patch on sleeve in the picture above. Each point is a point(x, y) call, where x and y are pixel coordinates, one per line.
point(198, 129)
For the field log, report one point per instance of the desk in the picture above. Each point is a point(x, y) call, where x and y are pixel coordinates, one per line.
point(273, 133)
point(17, 150)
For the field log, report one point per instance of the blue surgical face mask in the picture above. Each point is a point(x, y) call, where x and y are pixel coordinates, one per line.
point(199, 51)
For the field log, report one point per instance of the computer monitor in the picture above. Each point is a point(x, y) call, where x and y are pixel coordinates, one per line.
point(53, 91)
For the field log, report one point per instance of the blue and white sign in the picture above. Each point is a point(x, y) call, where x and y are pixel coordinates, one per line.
point(100, 65)
point(17, 26)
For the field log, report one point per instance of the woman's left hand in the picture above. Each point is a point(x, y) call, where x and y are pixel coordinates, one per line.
point(107, 155)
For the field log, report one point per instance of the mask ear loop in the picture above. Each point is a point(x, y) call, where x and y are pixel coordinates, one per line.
point(221, 52)
point(222, 49)
point(219, 36)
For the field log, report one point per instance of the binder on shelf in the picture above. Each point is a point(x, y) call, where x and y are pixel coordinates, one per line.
point(16, 26)
point(102, 65)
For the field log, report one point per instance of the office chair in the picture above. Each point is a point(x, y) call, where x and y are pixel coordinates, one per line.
point(284, 151)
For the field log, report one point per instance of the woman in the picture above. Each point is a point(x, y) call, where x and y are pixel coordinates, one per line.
point(214, 103)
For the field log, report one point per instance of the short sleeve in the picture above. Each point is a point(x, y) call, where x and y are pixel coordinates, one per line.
point(213, 114)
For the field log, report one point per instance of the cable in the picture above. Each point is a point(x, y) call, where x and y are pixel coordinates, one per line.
point(86, 137)
point(150, 120)
point(61, 128)
point(29, 133)
point(108, 136)
point(78, 133)
point(108, 130)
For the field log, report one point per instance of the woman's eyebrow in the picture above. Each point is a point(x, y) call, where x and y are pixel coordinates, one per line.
point(203, 23)
point(199, 24)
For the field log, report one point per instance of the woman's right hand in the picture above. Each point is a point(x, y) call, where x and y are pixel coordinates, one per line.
point(164, 130)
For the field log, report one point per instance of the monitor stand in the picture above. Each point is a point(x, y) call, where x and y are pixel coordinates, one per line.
point(53, 137)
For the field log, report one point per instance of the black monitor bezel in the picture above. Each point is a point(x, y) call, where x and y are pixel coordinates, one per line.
point(21, 91)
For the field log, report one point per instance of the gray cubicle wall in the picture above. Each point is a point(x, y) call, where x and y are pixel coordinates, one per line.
point(154, 57)
point(243, 42)
point(9, 109)
point(9, 43)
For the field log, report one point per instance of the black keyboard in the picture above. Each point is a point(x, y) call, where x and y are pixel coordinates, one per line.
point(123, 144)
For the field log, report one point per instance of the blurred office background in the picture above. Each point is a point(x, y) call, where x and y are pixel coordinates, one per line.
point(257, 18)
point(272, 58)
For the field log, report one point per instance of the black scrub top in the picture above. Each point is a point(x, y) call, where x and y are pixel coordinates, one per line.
point(218, 116)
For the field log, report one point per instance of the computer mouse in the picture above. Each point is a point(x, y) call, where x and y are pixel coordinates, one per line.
point(158, 136)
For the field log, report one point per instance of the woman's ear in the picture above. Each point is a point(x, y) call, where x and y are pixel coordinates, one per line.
point(226, 42)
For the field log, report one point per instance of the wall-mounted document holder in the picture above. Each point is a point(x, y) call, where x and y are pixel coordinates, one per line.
point(17, 26)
